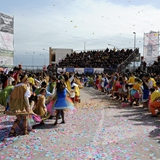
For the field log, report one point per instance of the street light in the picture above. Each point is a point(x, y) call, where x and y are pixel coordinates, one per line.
point(44, 58)
point(134, 40)
point(33, 59)
point(134, 45)
point(84, 46)
point(113, 46)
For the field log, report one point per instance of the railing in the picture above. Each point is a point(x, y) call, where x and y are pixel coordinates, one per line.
point(128, 60)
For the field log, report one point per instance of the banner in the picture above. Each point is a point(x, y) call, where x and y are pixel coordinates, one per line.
point(59, 70)
point(79, 70)
point(6, 23)
point(89, 70)
point(151, 46)
point(69, 69)
point(6, 41)
point(6, 58)
point(98, 70)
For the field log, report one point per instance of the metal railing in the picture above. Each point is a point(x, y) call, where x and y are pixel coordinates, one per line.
point(130, 59)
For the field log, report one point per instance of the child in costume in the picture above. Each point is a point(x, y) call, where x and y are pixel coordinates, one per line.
point(72, 92)
point(63, 102)
point(52, 85)
point(77, 81)
point(154, 103)
point(33, 118)
point(76, 89)
point(135, 92)
point(145, 95)
point(40, 107)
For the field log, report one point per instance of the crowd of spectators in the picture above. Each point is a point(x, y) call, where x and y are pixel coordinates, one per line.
point(109, 58)
point(154, 68)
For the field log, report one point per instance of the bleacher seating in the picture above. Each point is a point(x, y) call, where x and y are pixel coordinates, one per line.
point(96, 59)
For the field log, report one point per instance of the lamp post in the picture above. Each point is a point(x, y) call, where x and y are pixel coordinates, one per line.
point(47, 50)
point(44, 58)
point(134, 45)
point(84, 46)
point(113, 46)
point(134, 40)
point(33, 59)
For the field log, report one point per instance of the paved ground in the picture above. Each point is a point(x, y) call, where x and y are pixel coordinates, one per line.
point(100, 129)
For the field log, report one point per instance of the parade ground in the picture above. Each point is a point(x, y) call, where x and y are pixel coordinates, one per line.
point(100, 129)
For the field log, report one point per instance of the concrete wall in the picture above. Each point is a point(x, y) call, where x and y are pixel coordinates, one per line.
point(60, 54)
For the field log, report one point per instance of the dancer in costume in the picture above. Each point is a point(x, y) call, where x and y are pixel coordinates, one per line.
point(10, 78)
point(33, 118)
point(40, 107)
point(52, 88)
point(31, 82)
point(5, 93)
point(52, 85)
point(77, 81)
point(155, 101)
point(16, 76)
point(135, 92)
point(68, 80)
point(62, 102)
point(76, 89)
point(145, 95)
point(19, 105)
point(43, 85)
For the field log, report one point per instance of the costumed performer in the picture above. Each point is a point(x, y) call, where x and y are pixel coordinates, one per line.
point(77, 92)
point(63, 102)
point(40, 107)
point(77, 81)
point(68, 80)
point(19, 105)
point(135, 92)
point(155, 100)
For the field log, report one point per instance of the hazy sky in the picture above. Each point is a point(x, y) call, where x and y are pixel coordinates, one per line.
point(40, 24)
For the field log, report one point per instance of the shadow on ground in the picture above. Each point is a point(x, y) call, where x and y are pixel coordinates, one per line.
point(136, 114)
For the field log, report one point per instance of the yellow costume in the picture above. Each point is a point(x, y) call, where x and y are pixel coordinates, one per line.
point(17, 101)
point(31, 80)
point(153, 81)
point(77, 81)
point(68, 85)
point(131, 79)
point(68, 82)
point(77, 92)
point(40, 106)
point(19, 105)
point(137, 86)
point(155, 95)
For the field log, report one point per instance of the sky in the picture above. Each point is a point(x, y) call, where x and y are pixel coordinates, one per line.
point(75, 24)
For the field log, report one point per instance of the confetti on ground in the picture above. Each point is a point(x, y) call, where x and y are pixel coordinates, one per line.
point(98, 130)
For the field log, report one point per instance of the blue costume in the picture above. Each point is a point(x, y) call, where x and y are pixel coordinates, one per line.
point(63, 102)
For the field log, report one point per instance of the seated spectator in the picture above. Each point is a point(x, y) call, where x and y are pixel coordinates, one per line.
point(135, 92)
point(96, 59)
